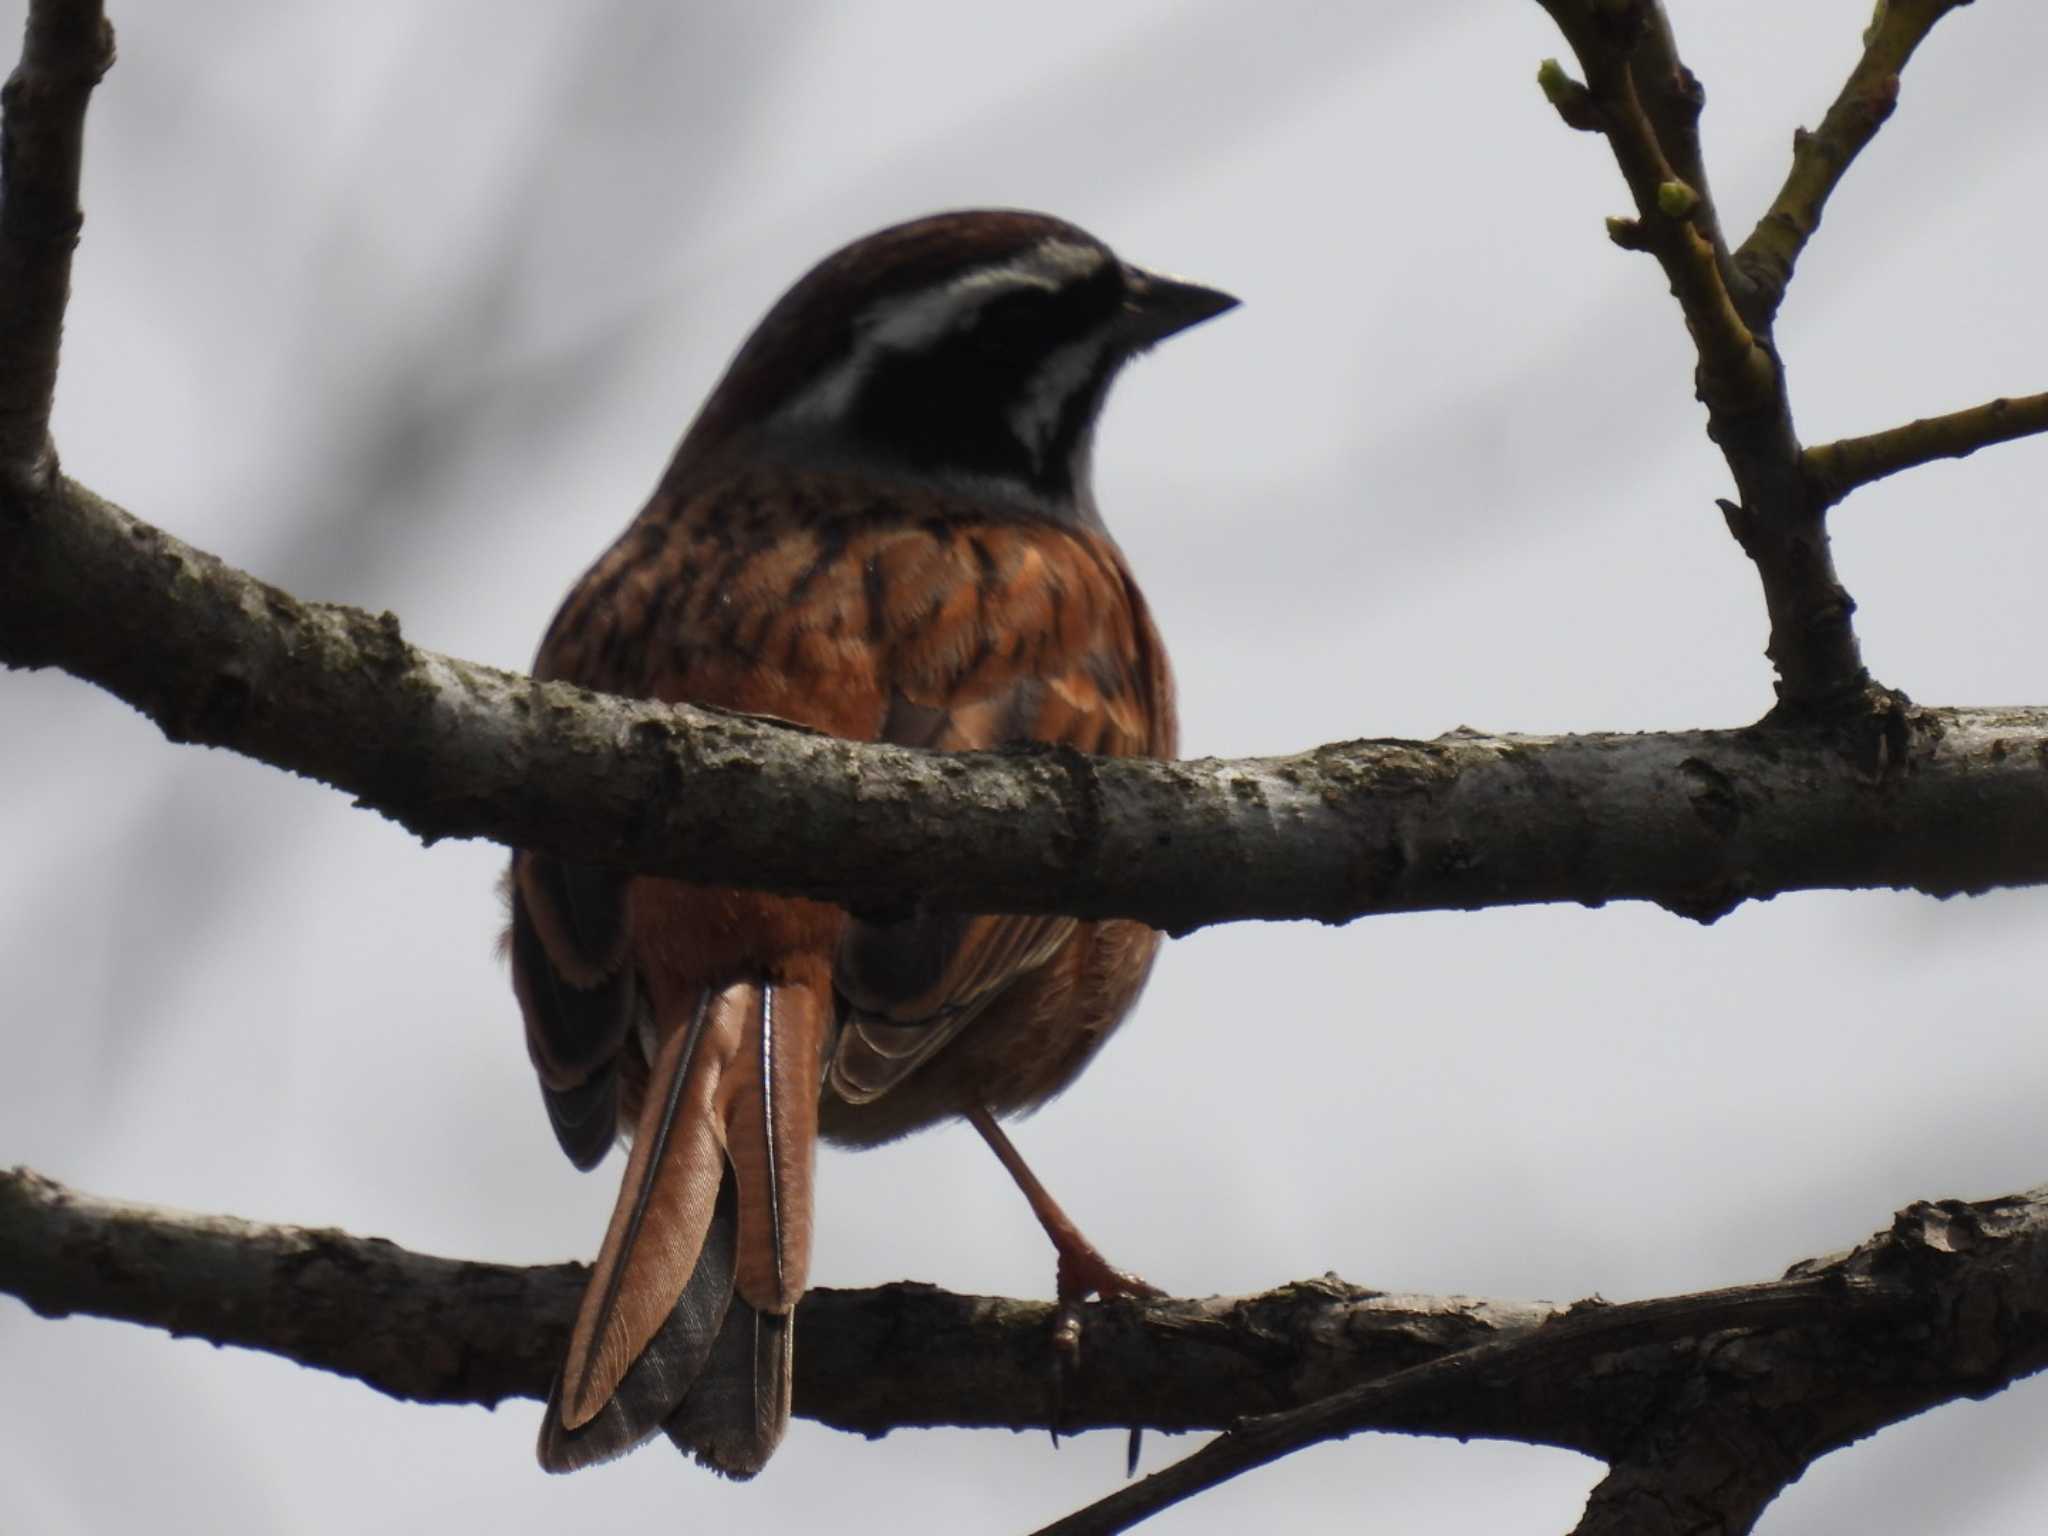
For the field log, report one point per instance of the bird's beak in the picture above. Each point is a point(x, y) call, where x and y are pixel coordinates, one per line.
point(1157, 306)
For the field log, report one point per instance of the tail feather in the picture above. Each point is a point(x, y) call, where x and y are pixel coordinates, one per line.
point(661, 1220)
point(685, 1322)
point(673, 1359)
point(737, 1409)
point(768, 1107)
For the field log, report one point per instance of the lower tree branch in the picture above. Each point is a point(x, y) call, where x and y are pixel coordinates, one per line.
point(1567, 1342)
point(1698, 821)
point(1838, 468)
point(436, 1330)
point(1950, 1301)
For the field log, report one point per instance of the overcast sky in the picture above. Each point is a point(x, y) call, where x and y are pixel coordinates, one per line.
point(404, 305)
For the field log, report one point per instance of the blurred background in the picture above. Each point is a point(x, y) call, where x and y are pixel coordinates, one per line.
point(405, 306)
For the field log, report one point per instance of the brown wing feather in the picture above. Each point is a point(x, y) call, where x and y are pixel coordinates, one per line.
point(578, 999)
point(1046, 656)
point(567, 936)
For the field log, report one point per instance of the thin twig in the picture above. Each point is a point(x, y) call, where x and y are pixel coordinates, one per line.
point(1821, 158)
point(66, 47)
point(1653, 133)
point(1736, 375)
point(1571, 1339)
point(1838, 468)
point(1673, 100)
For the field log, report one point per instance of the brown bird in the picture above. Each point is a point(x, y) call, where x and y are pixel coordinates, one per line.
point(880, 525)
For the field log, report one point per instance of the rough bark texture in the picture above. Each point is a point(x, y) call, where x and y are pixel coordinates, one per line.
point(1951, 1301)
point(1935, 800)
point(65, 49)
point(1778, 519)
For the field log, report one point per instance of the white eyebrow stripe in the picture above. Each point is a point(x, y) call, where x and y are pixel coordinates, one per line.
point(907, 322)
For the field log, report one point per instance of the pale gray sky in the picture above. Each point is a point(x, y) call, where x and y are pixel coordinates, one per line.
point(405, 305)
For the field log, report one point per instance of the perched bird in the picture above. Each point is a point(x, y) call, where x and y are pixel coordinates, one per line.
point(880, 525)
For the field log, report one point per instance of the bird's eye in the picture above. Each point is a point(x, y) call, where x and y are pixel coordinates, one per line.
point(1012, 326)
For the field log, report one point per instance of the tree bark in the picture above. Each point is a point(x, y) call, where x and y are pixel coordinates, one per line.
point(1950, 1301)
point(1941, 801)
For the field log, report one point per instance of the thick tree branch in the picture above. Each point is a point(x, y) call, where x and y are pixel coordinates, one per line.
point(1951, 1301)
point(1838, 468)
point(1935, 800)
point(66, 47)
point(1820, 159)
point(1696, 821)
point(436, 1330)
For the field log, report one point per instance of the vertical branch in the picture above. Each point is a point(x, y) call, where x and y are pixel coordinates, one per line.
point(1641, 97)
point(67, 46)
point(1716, 1470)
point(1673, 100)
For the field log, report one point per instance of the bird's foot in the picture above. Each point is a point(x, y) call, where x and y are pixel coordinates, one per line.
point(1084, 1272)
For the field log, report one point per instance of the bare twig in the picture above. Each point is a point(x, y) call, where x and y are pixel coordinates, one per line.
point(1749, 415)
point(435, 1330)
point(66, 47)
point(1838, 468)
point(1673, 99)
point(1821, 158)
point(1736, 376)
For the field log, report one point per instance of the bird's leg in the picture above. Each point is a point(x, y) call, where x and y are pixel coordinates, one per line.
point(1082, 1271)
